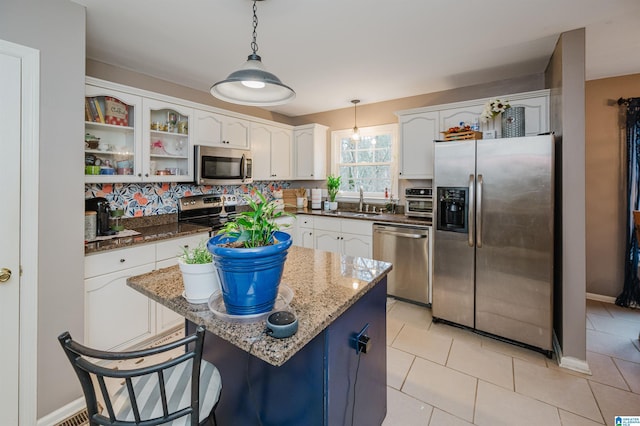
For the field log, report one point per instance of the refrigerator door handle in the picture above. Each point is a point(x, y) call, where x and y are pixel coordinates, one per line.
point(479, 213)
point(470, 211)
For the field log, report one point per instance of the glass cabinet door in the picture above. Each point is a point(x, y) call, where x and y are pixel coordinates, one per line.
point(112, 136)
point(167, 148)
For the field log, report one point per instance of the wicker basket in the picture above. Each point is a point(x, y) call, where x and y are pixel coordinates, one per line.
point(462, 136)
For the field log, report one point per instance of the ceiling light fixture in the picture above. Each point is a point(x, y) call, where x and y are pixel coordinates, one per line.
point(252, 84)
point(356, 132)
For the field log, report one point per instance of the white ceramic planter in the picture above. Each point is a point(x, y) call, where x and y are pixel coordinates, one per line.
point(333, 205)
point(200, 281)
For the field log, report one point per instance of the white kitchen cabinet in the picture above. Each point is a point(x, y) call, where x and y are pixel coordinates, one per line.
point(310, 152)
point(304, 232)
point(167, 147)
point(271, 148)
point(288, 225)
point(116, 316)
point(417, 133)
point(452, 117)
point(167, 253)
point(217, 130)
point(536, 114)
point(118, 142)
point(345, 236)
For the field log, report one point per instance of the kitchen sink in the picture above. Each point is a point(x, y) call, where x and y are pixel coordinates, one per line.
point(353, 214)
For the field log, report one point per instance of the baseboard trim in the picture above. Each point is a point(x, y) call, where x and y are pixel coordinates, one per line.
point(62, 413)
point(601, 298)
point(569, 362)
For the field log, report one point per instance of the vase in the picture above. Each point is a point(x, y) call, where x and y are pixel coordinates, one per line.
point(333, 205)
point(249, 277)
point(200, 281)
point(513, 122)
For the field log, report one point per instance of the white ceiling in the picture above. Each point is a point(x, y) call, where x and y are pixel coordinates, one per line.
point(332, 51)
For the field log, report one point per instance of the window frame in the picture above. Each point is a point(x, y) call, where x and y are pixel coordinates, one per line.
point(336, 138)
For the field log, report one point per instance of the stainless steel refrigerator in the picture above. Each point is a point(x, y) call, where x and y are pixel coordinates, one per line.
point(493, 242)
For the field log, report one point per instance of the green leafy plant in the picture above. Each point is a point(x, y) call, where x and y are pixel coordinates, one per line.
point(255, 227)
point(333, 186)
point(198, 255)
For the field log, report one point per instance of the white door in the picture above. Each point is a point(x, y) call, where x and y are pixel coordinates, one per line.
point(10, 101)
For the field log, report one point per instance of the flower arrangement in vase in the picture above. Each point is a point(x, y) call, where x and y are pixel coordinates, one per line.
point(493, 108)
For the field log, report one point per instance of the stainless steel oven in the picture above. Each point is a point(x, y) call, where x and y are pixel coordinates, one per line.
point(418, 202)
point(222, 166)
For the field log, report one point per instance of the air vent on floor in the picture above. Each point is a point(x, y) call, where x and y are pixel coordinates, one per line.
point(81, 418)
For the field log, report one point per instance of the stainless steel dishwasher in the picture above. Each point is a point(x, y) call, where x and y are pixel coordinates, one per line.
point(408, 248)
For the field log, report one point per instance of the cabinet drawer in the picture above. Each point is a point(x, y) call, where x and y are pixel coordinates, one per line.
point(359, 227)
point(118, 260)
point(327, 224)
point(173, 247)
point(305, 221)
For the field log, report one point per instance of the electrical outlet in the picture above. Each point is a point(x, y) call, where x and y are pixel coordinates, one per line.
point(361, 342)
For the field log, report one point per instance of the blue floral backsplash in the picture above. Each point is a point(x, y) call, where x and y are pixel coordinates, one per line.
point(162, 198)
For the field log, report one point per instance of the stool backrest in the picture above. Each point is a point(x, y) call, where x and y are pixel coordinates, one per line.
point(89, 365)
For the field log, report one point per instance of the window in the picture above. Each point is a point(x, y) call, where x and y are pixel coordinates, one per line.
point(369, 163)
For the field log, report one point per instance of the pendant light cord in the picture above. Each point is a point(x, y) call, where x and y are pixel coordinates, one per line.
point(254, 43)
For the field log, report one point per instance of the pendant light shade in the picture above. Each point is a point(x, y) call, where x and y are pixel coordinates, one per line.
point(252, 84)
point(356, 133)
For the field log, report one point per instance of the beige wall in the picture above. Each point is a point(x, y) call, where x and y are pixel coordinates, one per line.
point(606, 182)
point(565, 78)
point(57, 29)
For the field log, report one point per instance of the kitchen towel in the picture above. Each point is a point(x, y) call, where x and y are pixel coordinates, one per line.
point(316, 198)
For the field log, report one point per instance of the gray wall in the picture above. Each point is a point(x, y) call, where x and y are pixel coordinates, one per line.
point(57, 29)
point(565, 77)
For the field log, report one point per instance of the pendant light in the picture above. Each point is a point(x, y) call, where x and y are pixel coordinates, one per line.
point(252, 84)
point(356, 132)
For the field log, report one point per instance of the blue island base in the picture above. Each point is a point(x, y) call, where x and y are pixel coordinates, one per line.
point(326, 383)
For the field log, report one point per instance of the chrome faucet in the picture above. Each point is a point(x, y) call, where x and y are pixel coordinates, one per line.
point(361, 200)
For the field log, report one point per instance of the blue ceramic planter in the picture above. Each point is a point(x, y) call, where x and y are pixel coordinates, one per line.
point(249, 277)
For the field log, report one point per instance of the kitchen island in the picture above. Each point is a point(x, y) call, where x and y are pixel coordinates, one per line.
point(315, 377)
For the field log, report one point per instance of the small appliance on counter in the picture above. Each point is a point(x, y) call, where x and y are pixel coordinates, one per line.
point(102, 208)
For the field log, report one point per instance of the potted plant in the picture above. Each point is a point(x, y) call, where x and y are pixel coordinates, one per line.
point(333, 186)
point(198, 273)
point(249, 253)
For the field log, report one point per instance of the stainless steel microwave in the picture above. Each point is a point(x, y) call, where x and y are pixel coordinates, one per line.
point(222, 166)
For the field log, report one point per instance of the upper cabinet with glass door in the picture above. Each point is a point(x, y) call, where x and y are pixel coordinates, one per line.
point(167, 148)
point(112, 136)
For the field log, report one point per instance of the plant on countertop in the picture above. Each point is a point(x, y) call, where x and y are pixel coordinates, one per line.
point(333, 186)
point(254, 228)
point(196, 256)
point(493, 107)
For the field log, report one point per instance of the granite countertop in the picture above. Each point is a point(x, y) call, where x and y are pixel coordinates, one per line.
point(381, 217)
point(151, 229)
point(324, 284)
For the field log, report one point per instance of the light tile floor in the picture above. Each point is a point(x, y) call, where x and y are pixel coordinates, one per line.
point(439, 375)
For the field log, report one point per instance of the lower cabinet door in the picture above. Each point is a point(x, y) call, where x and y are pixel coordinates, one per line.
point(167, 319)
point(357, 245)
point(116, 316)
point(328, 241)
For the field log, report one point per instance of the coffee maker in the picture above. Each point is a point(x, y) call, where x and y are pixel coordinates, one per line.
point(101, 206)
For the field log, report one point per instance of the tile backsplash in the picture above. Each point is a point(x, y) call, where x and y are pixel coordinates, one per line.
point(162, 198)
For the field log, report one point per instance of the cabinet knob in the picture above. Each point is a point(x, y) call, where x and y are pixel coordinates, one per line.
point(123, 260)
point(146, 175)
point(139, 174)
